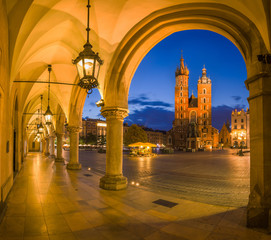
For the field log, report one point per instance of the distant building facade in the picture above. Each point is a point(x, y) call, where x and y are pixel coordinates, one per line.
point(192, 127)
point(240, 135)
point(225, 135)
point(95, 127)
point(155, 136)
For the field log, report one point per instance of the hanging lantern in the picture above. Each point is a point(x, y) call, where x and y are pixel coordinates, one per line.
point(48, 115)
point(88, 64)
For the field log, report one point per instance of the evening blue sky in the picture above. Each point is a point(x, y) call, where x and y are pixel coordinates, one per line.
point(151, 96)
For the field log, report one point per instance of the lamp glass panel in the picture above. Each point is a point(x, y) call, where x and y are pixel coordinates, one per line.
point(80, 69)
point(97, 69)
point(48, 118)
point(89, 66)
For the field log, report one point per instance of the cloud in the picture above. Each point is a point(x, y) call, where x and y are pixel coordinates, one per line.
point(161, 118)
point(221, 114)
point(153, 117)
point(236, 98)
point(142, 100)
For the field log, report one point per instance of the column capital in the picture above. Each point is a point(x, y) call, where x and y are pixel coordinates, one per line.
point(73, 129)
point(114, 113)
point(259, 85)
point(255, 77)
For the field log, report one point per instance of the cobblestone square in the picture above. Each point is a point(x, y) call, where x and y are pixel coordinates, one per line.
point(219, 177)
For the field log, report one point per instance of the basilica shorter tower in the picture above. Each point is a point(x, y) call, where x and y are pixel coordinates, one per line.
point(192, 127)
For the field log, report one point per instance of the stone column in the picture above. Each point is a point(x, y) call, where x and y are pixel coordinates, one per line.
point(113, 179)
point(59, 147)
point(259, 205)
point(47, 146)
point(52, 146)
point(74, 145)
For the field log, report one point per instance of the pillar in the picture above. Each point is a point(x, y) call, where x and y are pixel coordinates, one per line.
point(259, 205)
point(74, 145)
point(52, 146)
point(59, 147)
point(47, 146)
point(114, 179)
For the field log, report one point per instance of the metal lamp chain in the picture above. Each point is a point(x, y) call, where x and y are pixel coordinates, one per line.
point(88, 29)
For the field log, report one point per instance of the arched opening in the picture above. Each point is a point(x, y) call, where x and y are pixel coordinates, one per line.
point(165, 22)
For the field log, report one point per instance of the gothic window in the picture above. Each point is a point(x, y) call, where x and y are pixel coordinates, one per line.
point(181, 94)
point(235, 120)
point(181, 82)
point(193, 117)
point(181, 88)
point(181, 101)
point(181, 115)
point(181, 108)
point(204, 100)
point(204, 107)
point(204, 91)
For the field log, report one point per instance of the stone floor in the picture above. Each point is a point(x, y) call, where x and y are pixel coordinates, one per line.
point(49, 202)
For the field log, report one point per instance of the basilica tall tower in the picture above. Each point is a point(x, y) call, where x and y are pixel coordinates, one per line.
point(181, 93)
point(181, 104)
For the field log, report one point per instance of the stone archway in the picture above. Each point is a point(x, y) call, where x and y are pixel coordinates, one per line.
point(244, 34)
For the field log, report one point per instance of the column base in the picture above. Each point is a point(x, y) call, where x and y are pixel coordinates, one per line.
point(74, 166)
point(258, 217)
point(115, 183)
point(59, 160)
